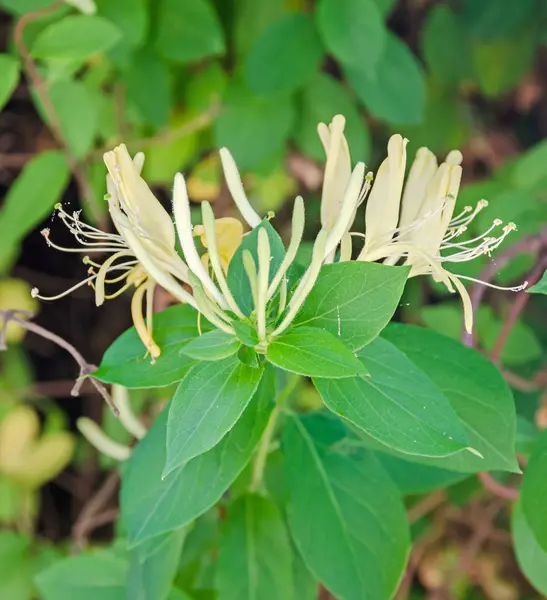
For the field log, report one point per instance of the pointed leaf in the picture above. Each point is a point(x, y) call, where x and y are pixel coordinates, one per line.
point(397, 404)
point(534, 490)
point(314, 353)
point(345, 514)
point(166, 504)
point(353, 300)
point(214, 345)
point(9, 76)
point(207, 404)
point(255, 559)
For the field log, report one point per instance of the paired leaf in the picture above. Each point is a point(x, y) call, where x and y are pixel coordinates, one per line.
point(213, 345)
point(477, 391)
point(238, 281)
point(397, 404)
point(345, 515)
point(255, 557)
point(166, 504)
point(292, 50)
point(314, 353)
point(207, 404)
point(125, 362)
point(353, 300)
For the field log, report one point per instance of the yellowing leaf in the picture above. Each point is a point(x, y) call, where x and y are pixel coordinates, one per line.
point(15, 293)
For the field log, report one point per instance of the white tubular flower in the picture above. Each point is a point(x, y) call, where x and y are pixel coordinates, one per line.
point(142, 252)
point(428, 234)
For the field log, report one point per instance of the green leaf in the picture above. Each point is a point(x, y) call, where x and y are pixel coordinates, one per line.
point(540, 287)
point(15, 573)
point(207, 404)
point(380, 91)
point(531, 557)
point(125, 362)
point(77, 113)
point(490, 19)
point(529, 170)
point(313, 352)
point(253, 127)
point(477, 391)
point(247, 356)
point(75, 37)
point(238, 281)
point(153, 567)
point(166, 504)
point(413, 478)
point(305, 586)
point(353, 31)
point(188, 31)
point(132, 19)
point(397, 404)
point(85, 577)
point(320, 100)
point(533, 490)
point(251, 19)
point(21, 7)
point(214, 345)
point(9, 77)
point(353, 300)
point(30, 199)
point(245, 332)
point(345, 515)
point(385, 6)
point(255, 558)
point(292, 50)
point(149, 87)
point(443, 32)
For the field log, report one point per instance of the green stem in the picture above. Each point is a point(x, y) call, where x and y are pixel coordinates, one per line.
point(266, 439)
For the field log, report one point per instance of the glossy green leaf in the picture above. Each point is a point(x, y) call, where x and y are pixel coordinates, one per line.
point(313, 352)
point(125, 362)
point(213, 345)
point(238, 281)
point(353, 300)
point(207, 404)
point(153, 566)
point(320, 100)
point(533, 490)
point(30, 200)
point(477, 391)
point(540, 287)
point(85, 577)
point(292, 50)
point(9, 76)
point(77, 112)
point(531, 557)
point(381, 91)
point(353, 31)
point(396, 404)
point(188, 31)
point(75, 37)
point(166, 504)
point(254, 559)
point(252, 127)
point(345, 515)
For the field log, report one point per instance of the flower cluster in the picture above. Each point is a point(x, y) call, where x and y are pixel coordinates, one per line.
point(410, 222)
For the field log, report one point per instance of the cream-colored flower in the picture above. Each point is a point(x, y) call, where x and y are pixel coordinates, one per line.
point(229, 233)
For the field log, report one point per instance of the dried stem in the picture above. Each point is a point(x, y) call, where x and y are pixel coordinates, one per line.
point(86, 369)
point(86, 190)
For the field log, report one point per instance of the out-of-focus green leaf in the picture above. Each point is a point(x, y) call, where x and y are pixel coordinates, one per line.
point(253, 128)
point(30, 199)
point(188, 31)
point(320, 100)
point(130, 16)
point(15, 569)
point(77, 113)
point(291, 49)
point(149, 86)
point(395, 90)
point(491, 19)
point(205, 87)
point(528, 172)
point(75, 37)
point(21, 7)
point(531, 557)
point(445, 46)
point(385, 6)
point(9, 76)
point(353, 31)
point(252, 18)
point(534, 486)
point(540, 287)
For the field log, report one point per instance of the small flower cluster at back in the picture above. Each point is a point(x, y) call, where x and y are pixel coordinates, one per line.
point(409, 223)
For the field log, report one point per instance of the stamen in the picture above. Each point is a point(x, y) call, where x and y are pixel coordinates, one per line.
point(140, 325)
point(35, 293)
point(515, 288)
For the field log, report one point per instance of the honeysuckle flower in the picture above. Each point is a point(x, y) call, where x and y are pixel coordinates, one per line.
point(142, 252)
point(418, 224)
point(229, 233)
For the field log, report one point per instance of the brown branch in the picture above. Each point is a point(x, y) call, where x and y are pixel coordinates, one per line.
point(86, 369)
point(497, 488)
point(426, 505)
point(86, 190)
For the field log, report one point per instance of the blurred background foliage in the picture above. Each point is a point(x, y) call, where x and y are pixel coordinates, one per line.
point(180, 78)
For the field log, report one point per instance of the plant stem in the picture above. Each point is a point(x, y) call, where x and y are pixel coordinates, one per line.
point(266, 439)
